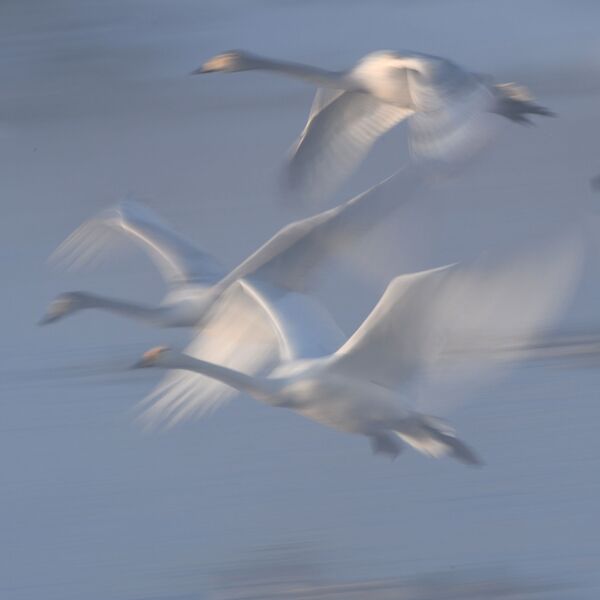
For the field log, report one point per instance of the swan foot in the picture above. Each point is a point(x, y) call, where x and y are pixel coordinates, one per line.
point(386, 443)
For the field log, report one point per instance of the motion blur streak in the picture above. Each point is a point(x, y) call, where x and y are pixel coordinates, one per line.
point(295, 572)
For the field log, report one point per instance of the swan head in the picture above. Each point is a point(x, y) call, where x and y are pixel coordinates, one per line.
point(64, 305)
point(155, 357)
point(227, 62)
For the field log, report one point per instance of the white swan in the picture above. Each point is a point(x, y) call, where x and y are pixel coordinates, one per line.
point(447, 106)
point(359, 387)
point(195, 278)
point(249, 317)
point(188, 272)
point(350, 389)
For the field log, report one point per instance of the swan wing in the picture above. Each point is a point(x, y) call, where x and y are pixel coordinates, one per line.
point(252, 327)
point(421, 315)
point(323, 97)
point(452, 118)
point(395, 341)
point(303, 327)
point(288, 260)
point(340, 130)
point(236, 333)
point(178, 260)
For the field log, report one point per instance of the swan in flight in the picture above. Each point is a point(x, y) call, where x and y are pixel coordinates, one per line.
point(189, 273)
point(361, 386)
point(247, 317)
point(194, 278)
point(446, 107)
point(352, 389)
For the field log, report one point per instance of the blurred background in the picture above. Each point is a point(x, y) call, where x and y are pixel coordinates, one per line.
point(96, 104)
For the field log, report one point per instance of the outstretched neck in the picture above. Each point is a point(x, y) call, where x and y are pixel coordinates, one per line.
point(319, 77)
point(148, 314)
point(257, 387)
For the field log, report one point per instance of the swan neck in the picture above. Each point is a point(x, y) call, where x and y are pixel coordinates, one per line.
point(121, 307)
point(255, 386)
point(319, 77)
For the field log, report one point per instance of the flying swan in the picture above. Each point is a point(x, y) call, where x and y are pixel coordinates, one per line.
point(361, 386)
point(352, 389)
point(447, 106)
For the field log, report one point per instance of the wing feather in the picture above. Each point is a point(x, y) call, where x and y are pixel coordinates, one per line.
point(179, 261)
point(340, 131)
point(252, 328)
point(238, 334)
point(452, 116)
point(289, 258)
point(421, 315)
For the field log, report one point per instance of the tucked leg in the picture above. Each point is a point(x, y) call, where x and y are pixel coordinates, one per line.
point(386, 443)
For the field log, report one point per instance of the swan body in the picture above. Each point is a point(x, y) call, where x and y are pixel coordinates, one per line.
point(298, 386)
point(351, 400)
point(446, 108)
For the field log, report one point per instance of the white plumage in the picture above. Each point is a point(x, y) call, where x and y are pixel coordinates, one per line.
point(362, 386)
point(247, 319)
point(447, 108)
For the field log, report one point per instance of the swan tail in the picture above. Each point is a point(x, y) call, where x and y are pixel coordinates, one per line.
point(515, 103)
point(435, 438)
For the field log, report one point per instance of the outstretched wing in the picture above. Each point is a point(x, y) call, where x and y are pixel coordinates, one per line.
point(236, 333)
point(340, 130)
point(396, 340)
point(179, 261)
point(323, 97)
point(252, 327)
point(302, 326)
point(422, 315)
point(289, 258)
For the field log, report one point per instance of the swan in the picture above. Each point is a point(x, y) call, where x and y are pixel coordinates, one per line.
point(188, 272)
point(246, 317)
point(447, 106)
point(351, 390)
point(195, 278)
point(361, 387)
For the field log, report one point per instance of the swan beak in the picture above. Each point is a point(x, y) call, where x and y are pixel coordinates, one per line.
point(202, 70)
point(47, 319)
point(221, 62)
point(141, 364)
point(150, 357)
